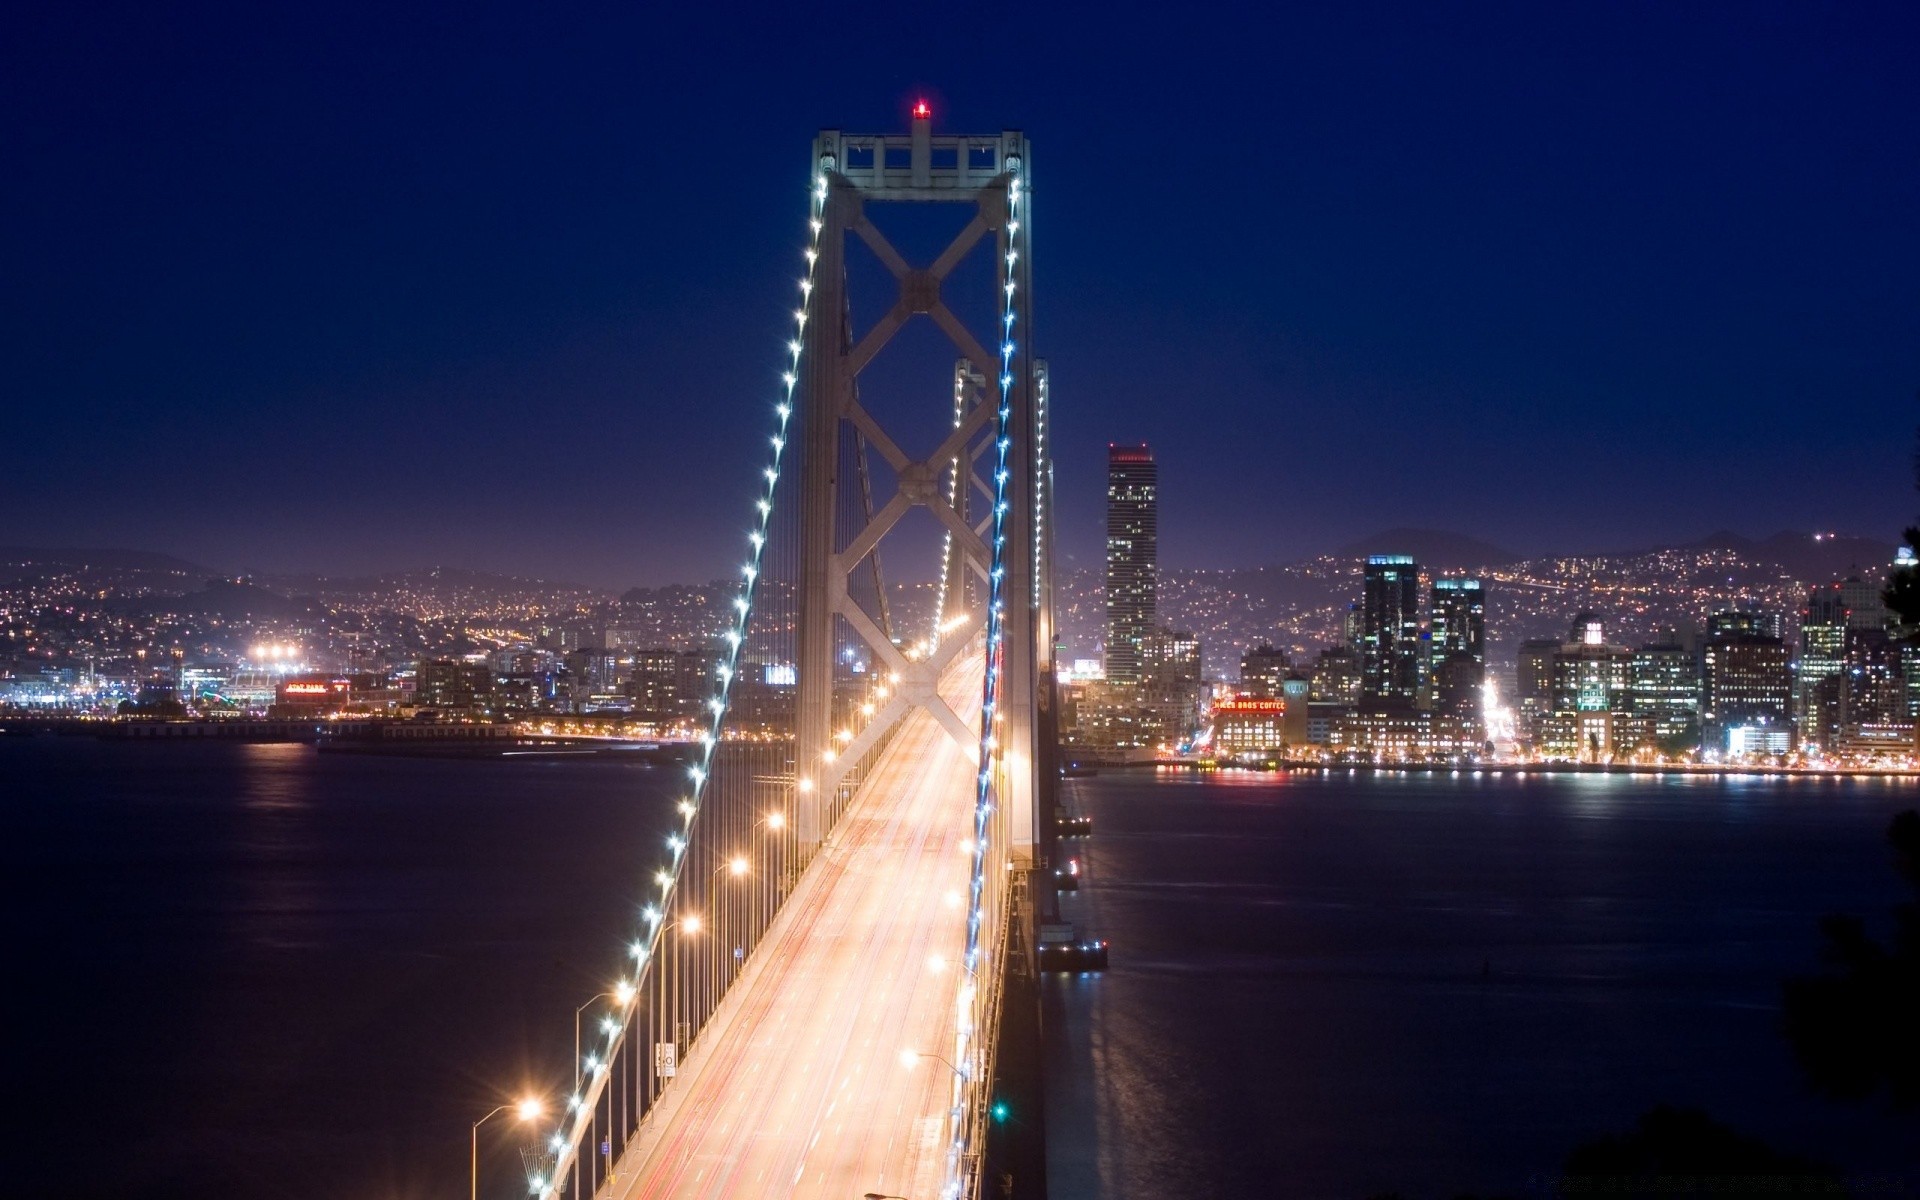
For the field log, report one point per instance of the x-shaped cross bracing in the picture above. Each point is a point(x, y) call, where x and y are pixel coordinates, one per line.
point(918, 485)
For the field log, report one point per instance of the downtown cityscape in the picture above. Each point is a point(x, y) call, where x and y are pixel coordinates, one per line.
point(916, 604)
point(1780, 654)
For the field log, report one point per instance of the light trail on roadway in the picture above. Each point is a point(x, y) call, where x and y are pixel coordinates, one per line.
point(798, 1087)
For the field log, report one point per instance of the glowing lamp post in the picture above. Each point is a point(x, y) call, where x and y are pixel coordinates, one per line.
point(528, 1109)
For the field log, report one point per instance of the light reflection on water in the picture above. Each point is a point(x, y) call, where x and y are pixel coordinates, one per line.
point(265, 971)
point(1342, 984)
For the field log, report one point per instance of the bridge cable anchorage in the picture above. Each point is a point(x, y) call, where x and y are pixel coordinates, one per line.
point(579, 1117)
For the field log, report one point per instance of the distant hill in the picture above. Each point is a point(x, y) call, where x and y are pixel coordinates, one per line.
point(1431, 548)
point(1807, 556)
point(109, 560)
point(446, 580)
point(224, 598)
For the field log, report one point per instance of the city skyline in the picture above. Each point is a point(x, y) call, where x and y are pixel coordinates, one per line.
point(302, 332)
point(613, 643)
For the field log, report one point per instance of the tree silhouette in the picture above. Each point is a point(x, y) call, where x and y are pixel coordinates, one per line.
point(1683, 1151)
point(1855, 1028)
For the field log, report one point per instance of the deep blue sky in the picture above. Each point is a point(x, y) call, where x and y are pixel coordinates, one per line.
point(351, 286)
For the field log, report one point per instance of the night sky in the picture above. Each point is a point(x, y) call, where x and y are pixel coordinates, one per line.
point(357, 286)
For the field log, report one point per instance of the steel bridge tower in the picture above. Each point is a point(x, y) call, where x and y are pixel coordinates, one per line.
point(786, 746)
point(982, 171)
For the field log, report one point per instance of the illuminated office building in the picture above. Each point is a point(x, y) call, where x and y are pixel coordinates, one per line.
point(1133, 532)
point(1390, 646)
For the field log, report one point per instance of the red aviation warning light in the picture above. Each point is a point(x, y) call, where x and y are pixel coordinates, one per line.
point(922, 111)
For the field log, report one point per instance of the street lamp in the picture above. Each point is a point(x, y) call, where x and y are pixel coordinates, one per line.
point(911, 1059)
point(622, 994)
point(775, 821)
point(666, 977)
point(528, 1109)
point(725, 920)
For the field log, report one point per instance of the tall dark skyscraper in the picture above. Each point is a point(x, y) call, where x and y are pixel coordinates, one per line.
point(1133, 539)
point(1390, 649)
point(1458, 645)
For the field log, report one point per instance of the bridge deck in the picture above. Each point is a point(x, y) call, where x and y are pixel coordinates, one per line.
point(798, 1089)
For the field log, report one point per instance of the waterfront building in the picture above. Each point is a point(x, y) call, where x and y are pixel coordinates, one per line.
point(1591, 674)
point(1335, 678)
point(1664, 679)
point(1406, 736)
point(1875, 692)
point(1249, 728)
point(1170, 684)
point(313, 695)
point(1133, 531)
point(1459, 619)
point(1596, 736)
point(694, 682)
point(654, 684)
point(1323, 716)
point(1109, 720)
point(1298, 694)
point(1391, 660)
point(1823, 648)
point(1263, 670)
point(1534, 682)
point(1457, 646)
point(452, 685)
point(1746, 685)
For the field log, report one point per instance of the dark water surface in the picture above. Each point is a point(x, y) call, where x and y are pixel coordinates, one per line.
point(1340, 985)
point(263, 971)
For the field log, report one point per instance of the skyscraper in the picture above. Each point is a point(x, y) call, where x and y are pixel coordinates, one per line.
point(1746, 684)
point(1665, 680)
point(1823, 649)
point(1390, 650)
point(1458, 645)
point(1133, 534)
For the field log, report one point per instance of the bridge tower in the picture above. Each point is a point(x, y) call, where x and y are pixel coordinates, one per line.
point(999, 412)
point(784, 742)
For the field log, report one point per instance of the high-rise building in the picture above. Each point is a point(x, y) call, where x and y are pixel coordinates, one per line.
point(1746, 692)
point(1592, 677)
point(1866, 607)
point(1133, 534)
point(1457, 645)
point(1743, 622)
point(1534, 681)
point(1390, 649)
point(1823, 648)
point(1170, 681)
point(451, 684)
point(1665, 681)
point(1262, 670)
point(654, 683)
point(1335, 678)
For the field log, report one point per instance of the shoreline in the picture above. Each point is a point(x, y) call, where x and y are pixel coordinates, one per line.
point(1084, 768)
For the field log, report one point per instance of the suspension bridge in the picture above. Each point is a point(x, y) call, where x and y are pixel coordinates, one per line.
point(811, 1001)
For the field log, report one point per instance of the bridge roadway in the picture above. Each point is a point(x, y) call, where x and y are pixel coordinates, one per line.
point(797, 1088)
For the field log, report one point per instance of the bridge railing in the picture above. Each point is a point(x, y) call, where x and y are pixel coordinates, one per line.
point(734, 854)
